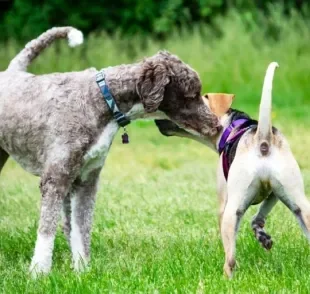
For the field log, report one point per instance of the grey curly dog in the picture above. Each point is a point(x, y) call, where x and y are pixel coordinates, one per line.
point(59, 127)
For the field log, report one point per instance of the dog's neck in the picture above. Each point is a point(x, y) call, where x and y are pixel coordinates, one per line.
point(122, 81)
point(124, 91)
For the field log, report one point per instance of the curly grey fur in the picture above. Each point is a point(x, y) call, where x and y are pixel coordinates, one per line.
point(49, 123)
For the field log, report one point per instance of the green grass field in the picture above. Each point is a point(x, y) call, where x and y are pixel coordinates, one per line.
point(155, 228)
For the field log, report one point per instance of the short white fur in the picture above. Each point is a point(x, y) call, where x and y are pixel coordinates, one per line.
point(96, 156)
point(254, 177)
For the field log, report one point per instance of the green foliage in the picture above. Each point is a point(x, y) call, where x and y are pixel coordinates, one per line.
point(231, 58)
point(25, 19)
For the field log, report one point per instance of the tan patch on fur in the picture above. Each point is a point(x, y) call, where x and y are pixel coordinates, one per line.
point(277, 141)
point(219, 103)
point(247, 143)
point(251, 140)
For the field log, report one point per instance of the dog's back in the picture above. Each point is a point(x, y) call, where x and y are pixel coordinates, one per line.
point(37, 110)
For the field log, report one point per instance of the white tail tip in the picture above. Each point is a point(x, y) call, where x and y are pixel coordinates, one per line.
point(274, 64)
point(75, 38)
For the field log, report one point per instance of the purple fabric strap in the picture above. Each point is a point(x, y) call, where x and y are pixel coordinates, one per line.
point(228, 130)
point(225, 165)
point(224, 140)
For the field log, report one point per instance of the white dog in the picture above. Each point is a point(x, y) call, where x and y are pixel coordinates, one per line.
point(256, 165)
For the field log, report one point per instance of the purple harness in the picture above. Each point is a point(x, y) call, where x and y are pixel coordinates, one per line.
point(241, 125)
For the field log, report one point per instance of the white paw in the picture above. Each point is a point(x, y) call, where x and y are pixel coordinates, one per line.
point(80, 265)
point(42, 259)
point(38, 269)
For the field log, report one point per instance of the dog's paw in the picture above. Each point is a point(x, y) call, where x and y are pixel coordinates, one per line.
point(36, 270)
point(264, 239)
point(81, 265)
point(229, 268)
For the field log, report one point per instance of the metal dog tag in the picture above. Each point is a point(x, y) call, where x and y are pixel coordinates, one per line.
point(125, 138)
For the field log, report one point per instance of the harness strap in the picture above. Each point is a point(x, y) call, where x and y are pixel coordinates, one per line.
point(228, 130)
point(242, 125)
point(120, 118)
point(226, 164)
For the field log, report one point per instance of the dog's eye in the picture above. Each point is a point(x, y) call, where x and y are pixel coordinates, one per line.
point(206, 96)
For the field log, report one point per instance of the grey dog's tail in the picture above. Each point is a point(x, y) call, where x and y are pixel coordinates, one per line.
point(21, 61)
point(264, 129)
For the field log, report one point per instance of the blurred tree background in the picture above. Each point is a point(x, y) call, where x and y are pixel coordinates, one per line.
point(25, 19)
point(228, 42)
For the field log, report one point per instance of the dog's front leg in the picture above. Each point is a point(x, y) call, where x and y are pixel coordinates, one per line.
point(82, 205)
point(54, 186)
point(221, 192)
point(258, 221)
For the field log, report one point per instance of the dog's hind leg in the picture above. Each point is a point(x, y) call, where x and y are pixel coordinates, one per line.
point(3, 158)
point(82, 205)
point(66, 217)
point(241, 187)
point(258, 221)
point(288, 186)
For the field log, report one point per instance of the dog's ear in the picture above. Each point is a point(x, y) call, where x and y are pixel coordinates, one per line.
point(219, 103)
point(151, 85)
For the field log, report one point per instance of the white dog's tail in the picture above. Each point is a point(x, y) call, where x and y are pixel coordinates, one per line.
point(21, 61)
point(264, 129)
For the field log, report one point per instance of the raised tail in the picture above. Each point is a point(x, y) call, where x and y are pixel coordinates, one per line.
point(21, 61)
point(264, 129)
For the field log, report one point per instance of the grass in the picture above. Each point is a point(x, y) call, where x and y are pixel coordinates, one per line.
point(155, 228)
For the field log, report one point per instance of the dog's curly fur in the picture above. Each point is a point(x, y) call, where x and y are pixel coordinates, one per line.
point(58, 126)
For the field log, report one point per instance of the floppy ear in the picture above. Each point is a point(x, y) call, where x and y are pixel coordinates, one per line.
point(219, 103)
point(151, 85)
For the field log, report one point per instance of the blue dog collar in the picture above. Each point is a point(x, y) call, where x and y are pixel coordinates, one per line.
point(120, 118)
